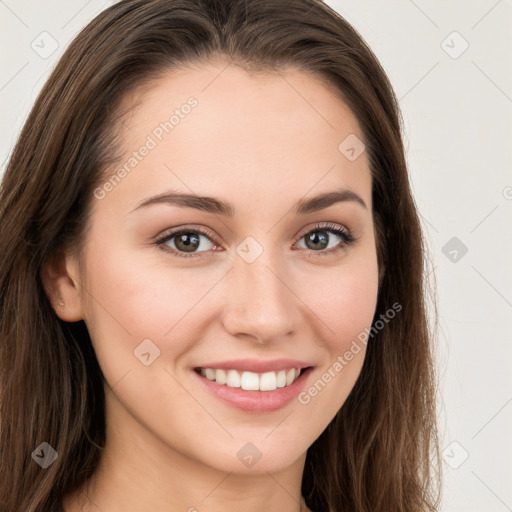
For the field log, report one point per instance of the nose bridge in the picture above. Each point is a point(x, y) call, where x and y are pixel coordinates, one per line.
point(260, 304)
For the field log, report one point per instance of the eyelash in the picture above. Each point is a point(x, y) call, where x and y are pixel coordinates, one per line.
point(347, 239)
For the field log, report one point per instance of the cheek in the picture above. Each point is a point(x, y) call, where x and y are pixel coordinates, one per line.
point(345, 304)
point(344, 299)
point(134, 298)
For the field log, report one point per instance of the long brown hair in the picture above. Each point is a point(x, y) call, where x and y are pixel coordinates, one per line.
point(380, 452)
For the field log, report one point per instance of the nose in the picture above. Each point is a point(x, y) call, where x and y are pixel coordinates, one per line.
point(260, 302)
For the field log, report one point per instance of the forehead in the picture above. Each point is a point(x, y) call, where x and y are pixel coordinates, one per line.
point(218, 130)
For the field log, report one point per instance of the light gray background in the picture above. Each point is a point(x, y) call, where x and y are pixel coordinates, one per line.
point(457, 113)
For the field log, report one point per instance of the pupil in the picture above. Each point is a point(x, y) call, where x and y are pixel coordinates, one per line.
point(318, 238)
point(189, 241)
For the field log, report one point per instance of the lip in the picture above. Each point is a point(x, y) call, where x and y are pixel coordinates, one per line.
point(257, 365)
point(255, 401)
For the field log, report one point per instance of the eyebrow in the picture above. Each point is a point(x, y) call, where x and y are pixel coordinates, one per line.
point(219, 207)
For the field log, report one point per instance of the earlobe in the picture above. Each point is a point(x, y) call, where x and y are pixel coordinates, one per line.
point(60, 280)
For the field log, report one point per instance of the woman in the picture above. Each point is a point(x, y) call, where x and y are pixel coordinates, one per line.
point(212, 277)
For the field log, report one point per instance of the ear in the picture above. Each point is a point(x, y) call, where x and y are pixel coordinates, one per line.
point(60, 279)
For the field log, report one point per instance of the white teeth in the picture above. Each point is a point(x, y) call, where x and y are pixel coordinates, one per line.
point(290, 377)
point(268, 381)
point(251, 381)
point(220, 376)
point(210, 374)
point(281, 379)
point(233, 379)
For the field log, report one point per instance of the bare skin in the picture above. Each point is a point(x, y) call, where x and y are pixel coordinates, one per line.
point(252, 140)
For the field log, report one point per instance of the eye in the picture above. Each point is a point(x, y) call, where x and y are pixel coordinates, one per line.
point(186, 240)
point(318, 239)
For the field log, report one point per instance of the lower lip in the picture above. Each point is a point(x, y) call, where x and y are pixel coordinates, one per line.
point(256, 401)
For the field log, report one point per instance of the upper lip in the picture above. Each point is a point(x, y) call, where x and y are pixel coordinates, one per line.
point(257, 365)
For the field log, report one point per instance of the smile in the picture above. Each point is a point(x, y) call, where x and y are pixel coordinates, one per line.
point(251, 381)
point(254, 386)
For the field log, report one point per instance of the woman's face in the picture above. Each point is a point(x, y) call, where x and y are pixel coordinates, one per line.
point(256, 286)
